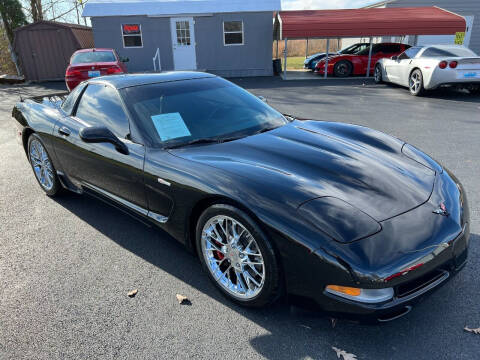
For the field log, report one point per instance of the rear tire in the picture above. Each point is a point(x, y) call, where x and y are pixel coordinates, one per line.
point(415, 83)
point(233, 265)
point(42, 166)
point(343, 69)
point(378, 77)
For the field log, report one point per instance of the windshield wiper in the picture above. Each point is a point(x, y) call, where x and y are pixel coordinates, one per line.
point(193, 142)
point(265, 129)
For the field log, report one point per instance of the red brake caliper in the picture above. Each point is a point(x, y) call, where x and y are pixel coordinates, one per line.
point(218, 254)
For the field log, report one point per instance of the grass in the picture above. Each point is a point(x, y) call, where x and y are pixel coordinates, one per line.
point(295, 62)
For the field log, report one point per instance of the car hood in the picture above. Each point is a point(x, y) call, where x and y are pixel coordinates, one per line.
point(310, 159)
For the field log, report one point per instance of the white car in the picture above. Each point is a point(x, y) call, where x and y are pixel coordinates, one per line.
point(429, 67)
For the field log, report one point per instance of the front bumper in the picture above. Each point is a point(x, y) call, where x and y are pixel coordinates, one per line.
point(407, 293)
point(415, 253)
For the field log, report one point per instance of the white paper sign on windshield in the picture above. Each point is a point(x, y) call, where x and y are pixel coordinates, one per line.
point(170, 126)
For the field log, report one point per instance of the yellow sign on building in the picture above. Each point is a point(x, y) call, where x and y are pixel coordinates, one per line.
point(459, 38)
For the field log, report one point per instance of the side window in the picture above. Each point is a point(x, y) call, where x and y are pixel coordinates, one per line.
point(377, 49)
point(390, 49)
point(233, 33)
point(71, 99)
point(132, 35)
point(100, 105)
point(410, 53)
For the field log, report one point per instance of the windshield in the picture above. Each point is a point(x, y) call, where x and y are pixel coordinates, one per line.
point(93, 56)
point(450, 52)
point(180, 112)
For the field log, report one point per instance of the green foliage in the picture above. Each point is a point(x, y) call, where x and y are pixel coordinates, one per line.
point(12, 16)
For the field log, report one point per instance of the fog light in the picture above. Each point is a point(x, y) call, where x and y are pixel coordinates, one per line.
point(361, 295)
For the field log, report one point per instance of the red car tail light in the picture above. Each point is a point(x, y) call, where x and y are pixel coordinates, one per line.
point(114, 70)
point(72, 73)
point(453, 64)
point(443, 65)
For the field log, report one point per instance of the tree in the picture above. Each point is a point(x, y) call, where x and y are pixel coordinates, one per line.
point(12, 16)
point(37, 13)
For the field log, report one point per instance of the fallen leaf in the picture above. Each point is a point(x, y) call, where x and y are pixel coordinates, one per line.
point(475, 331)
point(342, 354)
point(132, 293)
point(183, 300)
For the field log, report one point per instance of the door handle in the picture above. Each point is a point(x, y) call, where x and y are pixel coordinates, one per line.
point(64, 131)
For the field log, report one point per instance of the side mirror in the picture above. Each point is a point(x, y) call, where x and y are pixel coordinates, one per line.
point(395, 58)
point(263, 98)
point(124, 59)
point(100, 134)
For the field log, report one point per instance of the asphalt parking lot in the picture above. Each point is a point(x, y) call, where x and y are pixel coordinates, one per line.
point(67, 264)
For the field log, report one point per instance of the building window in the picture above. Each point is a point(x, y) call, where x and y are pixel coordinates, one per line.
point(132, 35)
point(183, 32)
point(233, 32)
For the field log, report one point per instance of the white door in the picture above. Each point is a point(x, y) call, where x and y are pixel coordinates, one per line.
point(183, 43)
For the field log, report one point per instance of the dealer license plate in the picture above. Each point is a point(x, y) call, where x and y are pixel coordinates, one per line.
point(93, 73)
point(471, 74)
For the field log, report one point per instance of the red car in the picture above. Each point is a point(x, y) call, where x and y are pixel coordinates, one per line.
point(356, 64)
point(88, 63)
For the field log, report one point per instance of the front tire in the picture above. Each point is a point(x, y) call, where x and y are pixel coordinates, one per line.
point(343, 68)
point(42, 166)
point(237, 256)
point(415, 83)
point(378, 77)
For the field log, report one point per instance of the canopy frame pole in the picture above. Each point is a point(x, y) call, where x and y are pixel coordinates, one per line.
point(369, 57)
point(325, 74)
point(306, 50)
point(285, 52)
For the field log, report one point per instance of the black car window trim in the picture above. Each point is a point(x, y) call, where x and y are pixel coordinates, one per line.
point(77, 99)
point(133, 136)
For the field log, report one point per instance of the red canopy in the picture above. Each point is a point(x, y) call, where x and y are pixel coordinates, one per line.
point(368, 22)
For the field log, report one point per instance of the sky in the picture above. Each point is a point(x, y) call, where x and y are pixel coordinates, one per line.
point(324, 4)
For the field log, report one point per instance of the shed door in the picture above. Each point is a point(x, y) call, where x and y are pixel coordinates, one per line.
point(183, 43)
point(50, 53)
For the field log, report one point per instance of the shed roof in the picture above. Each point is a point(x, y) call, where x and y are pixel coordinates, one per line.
point(174, 7)
point(368, 22)
point(82, 34)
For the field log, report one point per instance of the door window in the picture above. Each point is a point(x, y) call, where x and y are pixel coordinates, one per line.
point(183, 32)
point(410, 53)
point(390, 49)
point(100, 105)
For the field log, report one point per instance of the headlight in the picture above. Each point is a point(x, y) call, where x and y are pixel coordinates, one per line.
point(368, 296)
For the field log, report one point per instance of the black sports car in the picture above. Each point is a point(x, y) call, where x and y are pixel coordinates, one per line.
point(358, 221)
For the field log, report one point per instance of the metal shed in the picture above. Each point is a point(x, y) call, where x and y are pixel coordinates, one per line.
point(44, 48)
point(229, 38)
point(366, 22)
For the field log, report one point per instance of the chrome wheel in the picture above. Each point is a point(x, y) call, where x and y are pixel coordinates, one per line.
point(233, 257)
point(415, 82)
point(41, 164)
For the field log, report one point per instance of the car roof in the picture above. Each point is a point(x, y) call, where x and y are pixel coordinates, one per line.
point(128, 80)
point(93, 49)
point(445, 47)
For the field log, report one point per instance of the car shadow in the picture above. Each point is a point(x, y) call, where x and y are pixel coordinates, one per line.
point(296, 332)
